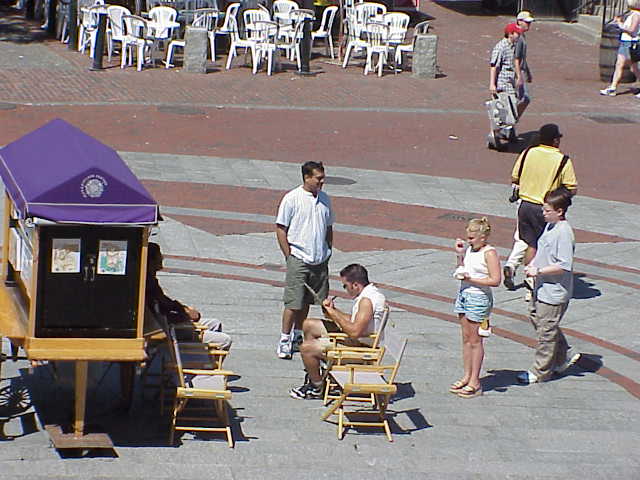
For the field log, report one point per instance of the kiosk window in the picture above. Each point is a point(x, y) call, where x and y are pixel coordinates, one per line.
point(112, 257)
point(15, 250)
point(65, 255)
point(26, 265)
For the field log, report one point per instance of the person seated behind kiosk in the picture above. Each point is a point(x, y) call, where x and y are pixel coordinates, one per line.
point(366, 313)
point(175, 312)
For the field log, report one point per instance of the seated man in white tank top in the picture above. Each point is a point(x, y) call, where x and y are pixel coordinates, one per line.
point(366, 313)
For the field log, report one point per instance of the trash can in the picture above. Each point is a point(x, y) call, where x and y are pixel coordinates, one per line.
point(609, 41)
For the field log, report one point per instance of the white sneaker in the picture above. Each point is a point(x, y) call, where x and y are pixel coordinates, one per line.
point(284, 350)
point(609, 92)
point(637, 95)
point(527, 378)
point(570, 361)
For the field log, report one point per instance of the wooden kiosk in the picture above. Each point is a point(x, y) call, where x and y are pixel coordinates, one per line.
point(74, 242)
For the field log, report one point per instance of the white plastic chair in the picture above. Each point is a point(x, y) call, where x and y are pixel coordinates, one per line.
point(264, 33)
point(282, 10)
point(291, 43)
point(136, 37)
point(420, 28)
point(237, 42)
point(115, 30)
point(164, 20)
point(231, 12)
point(290, 36)
point(368, 11)
point(253, 15)
point(88, 29)
point(378, 43)
point(326, 24)
point(265, 9)
point(83, 6)
point(398, 24)
point(353, 31)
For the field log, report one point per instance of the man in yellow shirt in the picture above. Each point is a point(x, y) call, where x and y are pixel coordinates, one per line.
point(537, 171)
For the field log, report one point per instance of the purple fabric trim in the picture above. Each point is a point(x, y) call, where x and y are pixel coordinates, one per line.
point(77, 177)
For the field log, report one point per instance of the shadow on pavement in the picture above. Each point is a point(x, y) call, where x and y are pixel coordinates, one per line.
point(15, 405)
point(525, 140)
point(500, 380)
point(583, 289)
point(405, 390)
point(15, 28)
point(48, 391)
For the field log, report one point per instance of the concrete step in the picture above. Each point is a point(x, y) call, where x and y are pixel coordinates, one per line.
point(592, 22)
point(586, 30)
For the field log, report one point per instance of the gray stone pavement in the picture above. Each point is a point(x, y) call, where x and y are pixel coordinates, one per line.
point(413, 189)
point(583, 425)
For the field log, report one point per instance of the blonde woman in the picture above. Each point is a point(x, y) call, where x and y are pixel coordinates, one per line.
point(630, 28)
point(478, 269)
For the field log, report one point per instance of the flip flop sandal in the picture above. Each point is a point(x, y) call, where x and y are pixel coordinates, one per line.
point(469, 392)
point(457, 386)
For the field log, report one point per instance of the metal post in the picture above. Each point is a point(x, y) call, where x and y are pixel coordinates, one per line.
point(305, 43)
point(30, 9)
point(72, 25)
point(51, 18)
point(98, 51)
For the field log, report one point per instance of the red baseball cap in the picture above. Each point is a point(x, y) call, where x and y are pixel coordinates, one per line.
point(512, 28)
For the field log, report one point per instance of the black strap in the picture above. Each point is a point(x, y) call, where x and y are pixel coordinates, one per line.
point(563, 162)
point(524, 155)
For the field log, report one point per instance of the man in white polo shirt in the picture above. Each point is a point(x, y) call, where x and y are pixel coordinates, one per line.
point(305, 234)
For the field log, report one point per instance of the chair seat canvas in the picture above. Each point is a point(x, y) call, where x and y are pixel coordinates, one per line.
point(207, 382)
point(366, 378)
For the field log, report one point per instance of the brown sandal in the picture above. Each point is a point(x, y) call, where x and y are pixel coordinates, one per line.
point(469, 392)
point(457, 386)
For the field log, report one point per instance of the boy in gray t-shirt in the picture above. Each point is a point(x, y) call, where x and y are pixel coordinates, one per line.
point(552, 270)
point(555, 247)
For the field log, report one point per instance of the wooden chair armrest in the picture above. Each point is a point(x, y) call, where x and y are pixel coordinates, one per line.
point(204, 348)
point(349, 355)
point(337, 335)
point(355, 349)
point(363, 368)
point(341, 335)
point(370, 368)
point(194, 371)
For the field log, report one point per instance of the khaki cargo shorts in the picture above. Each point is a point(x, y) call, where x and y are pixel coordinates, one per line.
point(296, 296)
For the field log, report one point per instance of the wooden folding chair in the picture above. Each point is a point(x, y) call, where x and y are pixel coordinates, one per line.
point(341, 354)
point(376, 380)
point(201, 385)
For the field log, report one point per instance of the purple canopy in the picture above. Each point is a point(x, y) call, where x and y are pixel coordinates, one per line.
point(60, 173)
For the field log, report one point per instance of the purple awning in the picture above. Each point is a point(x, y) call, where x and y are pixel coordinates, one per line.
point(60, 173)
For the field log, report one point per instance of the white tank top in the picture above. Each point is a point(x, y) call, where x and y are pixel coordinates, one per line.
point(377, 300)
point(627, 25)
point(476, 266)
